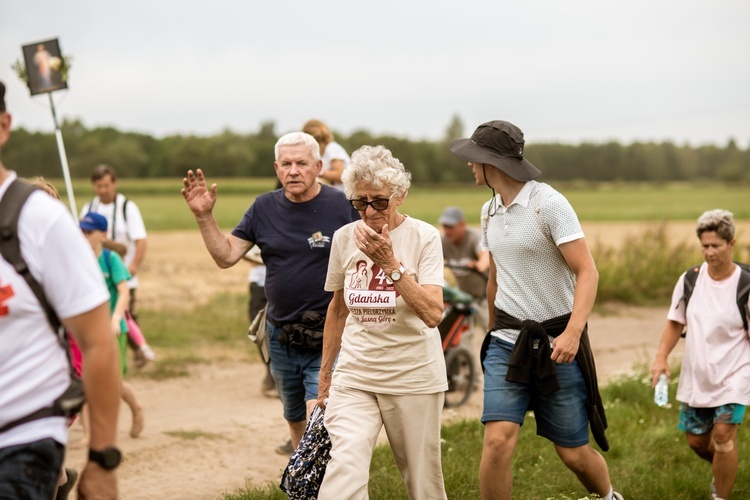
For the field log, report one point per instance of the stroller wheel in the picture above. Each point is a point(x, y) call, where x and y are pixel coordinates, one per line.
point(459, 366)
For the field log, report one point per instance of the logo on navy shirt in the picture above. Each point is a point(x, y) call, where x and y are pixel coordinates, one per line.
point(317, 240)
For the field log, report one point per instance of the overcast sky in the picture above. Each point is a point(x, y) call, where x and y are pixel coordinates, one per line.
point(577, 70)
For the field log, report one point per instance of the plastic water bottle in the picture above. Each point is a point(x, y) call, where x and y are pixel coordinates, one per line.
point(661, 392)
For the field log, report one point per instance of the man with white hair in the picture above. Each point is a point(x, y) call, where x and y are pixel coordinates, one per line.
point(293, 227)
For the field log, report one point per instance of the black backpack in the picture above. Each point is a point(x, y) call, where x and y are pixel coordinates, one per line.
point(70, 402)
point(743, 289)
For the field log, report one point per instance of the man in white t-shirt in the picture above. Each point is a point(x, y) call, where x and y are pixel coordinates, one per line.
point(126, 227)
point(33, 366)
point(542, 287)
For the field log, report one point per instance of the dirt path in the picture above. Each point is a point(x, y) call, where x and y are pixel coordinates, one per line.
point(214, 432)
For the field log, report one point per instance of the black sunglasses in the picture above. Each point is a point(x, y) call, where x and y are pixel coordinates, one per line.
point(378, 204)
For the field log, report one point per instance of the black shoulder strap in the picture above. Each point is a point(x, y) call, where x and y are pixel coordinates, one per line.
point(10, 209)
point(743, 293)
point(124, 217)
point(90, 206)
point(688, 285)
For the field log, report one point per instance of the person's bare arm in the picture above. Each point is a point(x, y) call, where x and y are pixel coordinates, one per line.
point(334, 329)
point(225, 250)
point(123, 301)
point(482, 264)
point(101, 377)
point(140, 254)
point(333, 175)
point(578, 257)
point(669, 338)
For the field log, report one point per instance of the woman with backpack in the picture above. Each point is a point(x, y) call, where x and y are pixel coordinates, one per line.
point(714, 385)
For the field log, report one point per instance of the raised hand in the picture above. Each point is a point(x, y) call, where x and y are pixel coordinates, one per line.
point(200, 199)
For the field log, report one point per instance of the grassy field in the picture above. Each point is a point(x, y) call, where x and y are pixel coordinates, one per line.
point(164, 209)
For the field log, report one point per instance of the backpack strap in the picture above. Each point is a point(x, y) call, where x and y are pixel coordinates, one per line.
point(688, 284)
point(743, 294)
point(124, 217)
point(125, 210)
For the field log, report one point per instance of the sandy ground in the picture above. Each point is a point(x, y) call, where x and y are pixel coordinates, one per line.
point(214, 432)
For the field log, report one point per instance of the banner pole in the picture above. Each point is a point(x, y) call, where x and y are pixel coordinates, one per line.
point(63, 160)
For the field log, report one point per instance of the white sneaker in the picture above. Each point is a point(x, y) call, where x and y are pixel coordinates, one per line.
point(617, 496)
point(144, 355)
point(148, 353)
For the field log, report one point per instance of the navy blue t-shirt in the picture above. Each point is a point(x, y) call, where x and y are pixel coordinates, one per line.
point(295, 241)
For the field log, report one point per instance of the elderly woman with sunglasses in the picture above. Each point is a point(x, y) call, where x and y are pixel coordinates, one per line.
point(382, 336)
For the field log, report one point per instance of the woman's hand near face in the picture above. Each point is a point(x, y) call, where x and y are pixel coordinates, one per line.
point(378, 247)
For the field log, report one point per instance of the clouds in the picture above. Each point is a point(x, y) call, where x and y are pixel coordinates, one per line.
point(571, 71)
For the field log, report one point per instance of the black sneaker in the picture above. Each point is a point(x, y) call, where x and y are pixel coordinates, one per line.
point(64, 489)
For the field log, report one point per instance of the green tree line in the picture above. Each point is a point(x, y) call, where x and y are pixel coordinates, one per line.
point(231, 154)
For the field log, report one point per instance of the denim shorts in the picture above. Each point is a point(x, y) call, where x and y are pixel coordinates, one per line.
point(560, 417)
point(702, 420)
point(296, 375)
point(30, 470)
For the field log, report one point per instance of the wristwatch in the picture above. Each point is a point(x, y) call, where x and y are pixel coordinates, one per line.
point(109, 458)
point(396, 275)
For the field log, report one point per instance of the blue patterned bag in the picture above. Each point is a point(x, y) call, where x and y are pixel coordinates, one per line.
point(307, 465)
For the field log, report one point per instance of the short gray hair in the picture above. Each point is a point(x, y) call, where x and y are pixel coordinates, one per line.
point(719, 221)
point(295, 138)
point(376, 166)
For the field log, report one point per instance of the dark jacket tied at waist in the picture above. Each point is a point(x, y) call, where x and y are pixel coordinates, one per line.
point(521, 359)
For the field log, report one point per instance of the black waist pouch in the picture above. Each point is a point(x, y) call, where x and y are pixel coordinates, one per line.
point(306, 335)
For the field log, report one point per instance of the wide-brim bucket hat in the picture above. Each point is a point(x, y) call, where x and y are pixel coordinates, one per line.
point(500, 144)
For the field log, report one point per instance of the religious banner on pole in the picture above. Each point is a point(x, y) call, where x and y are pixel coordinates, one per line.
point(44, 63)
point(46, 71)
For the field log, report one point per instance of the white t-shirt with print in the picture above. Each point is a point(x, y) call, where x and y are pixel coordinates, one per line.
point(334, 151)
point(534, 281)
point(33, 365)
point(125, 232)
point(385, 347)
point(716, 361)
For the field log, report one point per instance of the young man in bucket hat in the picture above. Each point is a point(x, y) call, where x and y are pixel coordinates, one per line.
point(540, 293)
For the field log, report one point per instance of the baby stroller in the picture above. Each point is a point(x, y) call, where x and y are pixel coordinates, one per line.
point(459, 359)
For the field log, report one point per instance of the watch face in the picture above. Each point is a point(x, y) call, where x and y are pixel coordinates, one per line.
point(112, 457)
point(108, 458)
point(395, 276)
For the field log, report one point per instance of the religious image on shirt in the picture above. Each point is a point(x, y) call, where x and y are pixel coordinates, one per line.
point(371, 296)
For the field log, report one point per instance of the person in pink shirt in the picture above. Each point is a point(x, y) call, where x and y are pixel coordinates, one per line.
point(714, 385)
